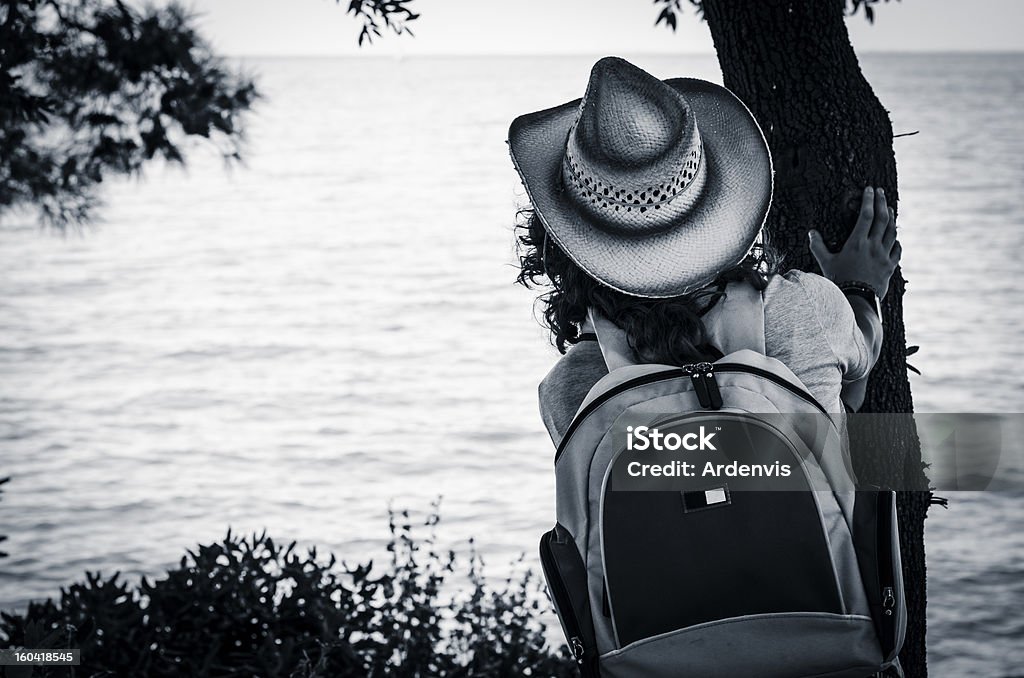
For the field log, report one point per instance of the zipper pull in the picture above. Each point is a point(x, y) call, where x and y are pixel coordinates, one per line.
point(576, 646)
point(704, 385)
point(714, 395)
point(700, 388)
point(888, 601)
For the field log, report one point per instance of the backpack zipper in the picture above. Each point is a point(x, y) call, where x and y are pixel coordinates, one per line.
point(772, 377)
point(702, 375)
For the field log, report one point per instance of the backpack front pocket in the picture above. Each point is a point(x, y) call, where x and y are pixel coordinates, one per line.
point(668, 568)
point(714, 548)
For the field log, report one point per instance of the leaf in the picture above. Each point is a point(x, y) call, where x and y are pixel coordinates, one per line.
point(101, 119)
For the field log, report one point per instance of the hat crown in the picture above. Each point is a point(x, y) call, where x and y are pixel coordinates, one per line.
point(633, 158)
point(629, 118)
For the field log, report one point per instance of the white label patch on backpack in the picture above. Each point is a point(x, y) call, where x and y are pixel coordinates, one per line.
point(716, 496)
point(699, 500)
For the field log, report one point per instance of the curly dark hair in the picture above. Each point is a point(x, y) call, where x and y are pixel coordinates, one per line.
point(669, 331)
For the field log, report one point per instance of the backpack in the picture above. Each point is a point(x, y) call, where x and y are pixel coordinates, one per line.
point(716, 580)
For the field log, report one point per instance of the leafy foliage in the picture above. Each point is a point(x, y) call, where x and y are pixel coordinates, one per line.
point(868, 7)
point(396, 14)
point(90, 88)
point(670, 10)
point(249, 606)
point(377, 14)
point(911, 350)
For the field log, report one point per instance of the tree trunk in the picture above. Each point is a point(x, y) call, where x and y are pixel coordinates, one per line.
point(792, 63)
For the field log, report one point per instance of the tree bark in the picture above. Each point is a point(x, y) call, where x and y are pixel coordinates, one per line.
point(792, 63)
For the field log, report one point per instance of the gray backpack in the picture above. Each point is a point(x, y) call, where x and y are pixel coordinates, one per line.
point(719, 582)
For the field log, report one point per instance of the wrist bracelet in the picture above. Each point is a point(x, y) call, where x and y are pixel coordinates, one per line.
point(858, 285)
point(865, 291)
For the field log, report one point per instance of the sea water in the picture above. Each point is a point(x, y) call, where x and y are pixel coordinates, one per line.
point(294, 343)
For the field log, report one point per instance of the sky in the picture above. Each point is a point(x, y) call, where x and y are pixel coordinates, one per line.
point(322, 28)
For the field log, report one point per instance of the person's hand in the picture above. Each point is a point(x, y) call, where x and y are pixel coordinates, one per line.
point(870, 254)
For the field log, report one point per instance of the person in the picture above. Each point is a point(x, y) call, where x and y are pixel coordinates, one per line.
point(647, 198)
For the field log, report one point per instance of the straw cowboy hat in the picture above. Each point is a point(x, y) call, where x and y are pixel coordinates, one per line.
point(653, 188)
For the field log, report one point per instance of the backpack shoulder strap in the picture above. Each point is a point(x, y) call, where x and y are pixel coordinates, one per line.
point(736, 322)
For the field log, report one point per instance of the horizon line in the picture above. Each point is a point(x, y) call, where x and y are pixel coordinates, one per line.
point(485, 55)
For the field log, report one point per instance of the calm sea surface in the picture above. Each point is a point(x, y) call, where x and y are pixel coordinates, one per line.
point(294, 343)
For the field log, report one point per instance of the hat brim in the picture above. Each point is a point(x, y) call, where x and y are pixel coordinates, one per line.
point(712, 237)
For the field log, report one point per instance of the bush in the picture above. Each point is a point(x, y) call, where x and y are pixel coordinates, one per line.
point(248, 606)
